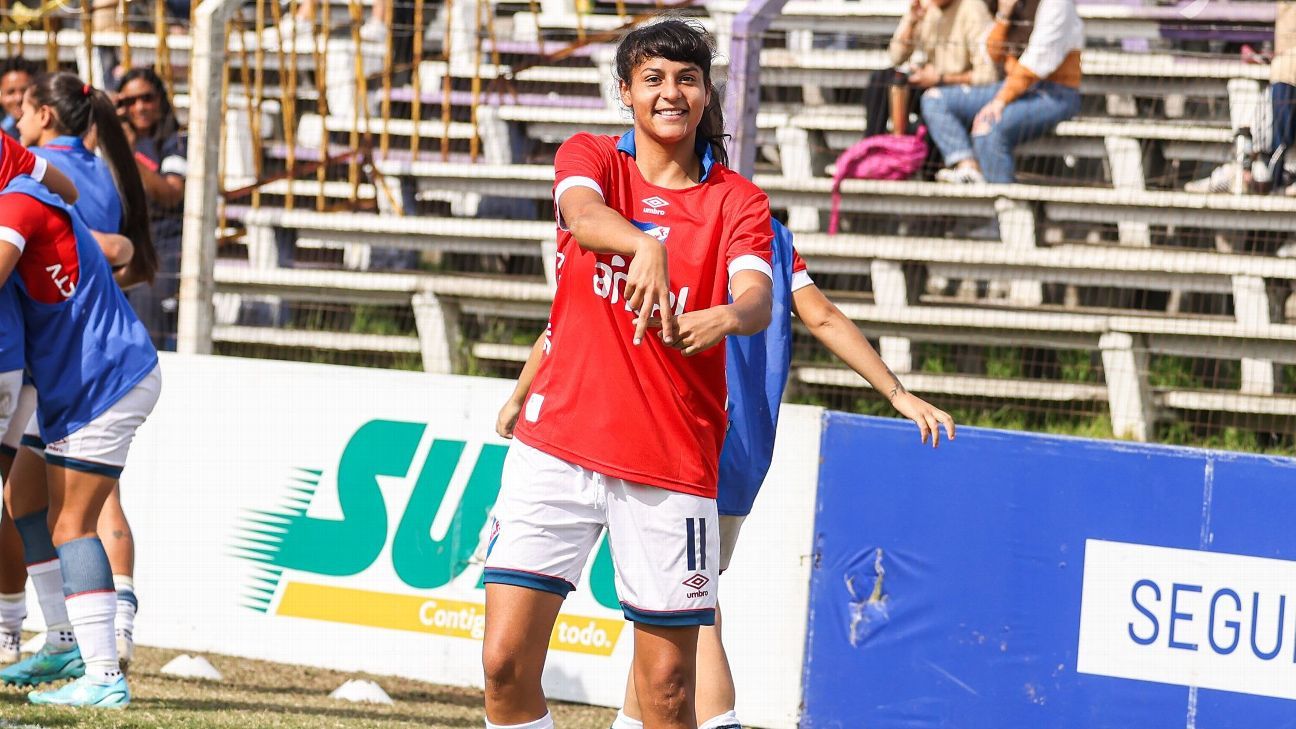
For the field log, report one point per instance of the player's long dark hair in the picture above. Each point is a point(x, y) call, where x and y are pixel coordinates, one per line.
point(77, 106)
point(683, 42)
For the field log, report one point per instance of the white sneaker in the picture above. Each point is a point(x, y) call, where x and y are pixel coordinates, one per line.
point(960, 175)
point(290, 29)
point(373, 31)
point(1219, 180)
point(10, 647)
point(125, 649)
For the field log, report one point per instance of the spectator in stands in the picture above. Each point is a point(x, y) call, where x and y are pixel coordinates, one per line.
point(301, 23)
point(1039, 43)
point(944, 42)
point(150, 125)
point(1282, 88)
point(16, 75)
point(1279, 118)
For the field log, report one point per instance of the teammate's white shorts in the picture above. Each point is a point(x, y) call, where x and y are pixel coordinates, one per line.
point(550, 514)
point(101, 445)
point(10, 387)
point(729, 528)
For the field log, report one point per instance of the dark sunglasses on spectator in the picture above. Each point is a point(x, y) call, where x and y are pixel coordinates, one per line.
point(127, 102)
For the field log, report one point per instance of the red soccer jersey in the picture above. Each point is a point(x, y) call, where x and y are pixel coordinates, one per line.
point(647, 414)
point(50, 266)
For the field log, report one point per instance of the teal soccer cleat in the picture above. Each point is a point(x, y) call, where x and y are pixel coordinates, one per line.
point(85, 692)
point(44, 666)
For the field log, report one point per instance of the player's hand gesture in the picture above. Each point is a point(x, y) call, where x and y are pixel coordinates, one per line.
point(701, 330)
point(648, 286)
point(507, 418)
point(928, 417)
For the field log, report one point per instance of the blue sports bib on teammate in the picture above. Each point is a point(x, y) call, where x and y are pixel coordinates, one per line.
point(11, 329)
point(757, 370)
point(98, 201)
point(87, 351)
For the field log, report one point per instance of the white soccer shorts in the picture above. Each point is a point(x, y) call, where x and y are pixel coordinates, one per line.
point(10, 387)
point(101, 445)
point(550, 514)
point(730, 526)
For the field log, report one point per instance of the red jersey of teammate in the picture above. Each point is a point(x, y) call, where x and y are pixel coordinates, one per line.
point(51, 268)
point(647, 414)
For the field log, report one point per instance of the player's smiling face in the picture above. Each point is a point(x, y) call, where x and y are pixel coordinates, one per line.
point(667, 97)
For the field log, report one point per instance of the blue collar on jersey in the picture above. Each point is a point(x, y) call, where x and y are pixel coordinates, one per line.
point(627, 144)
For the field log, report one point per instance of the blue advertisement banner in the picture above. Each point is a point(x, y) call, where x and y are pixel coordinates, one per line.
point(1011, 580)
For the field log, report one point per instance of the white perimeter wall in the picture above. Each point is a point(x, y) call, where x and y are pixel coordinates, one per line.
point(229, 435)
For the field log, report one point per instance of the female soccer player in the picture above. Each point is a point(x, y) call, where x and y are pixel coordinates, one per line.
point(59, 110)
point(89, 410)
point(757, 373)
point(621, 430)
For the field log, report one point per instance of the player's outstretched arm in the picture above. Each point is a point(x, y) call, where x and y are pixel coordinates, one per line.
point(748, 314)
point(840, 335)
point(601, 229)
point(508, 414)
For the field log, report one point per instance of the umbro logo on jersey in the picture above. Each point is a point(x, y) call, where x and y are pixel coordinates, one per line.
point(655, 204)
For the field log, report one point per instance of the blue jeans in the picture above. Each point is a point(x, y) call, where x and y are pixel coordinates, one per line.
point(948, 112)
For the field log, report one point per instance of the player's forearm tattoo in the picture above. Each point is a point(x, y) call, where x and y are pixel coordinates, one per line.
point(896, 387)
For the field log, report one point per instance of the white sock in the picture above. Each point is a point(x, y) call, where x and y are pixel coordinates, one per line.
point(92, 616)
point(544, 722)
point(13, 610)
point(47, 578)
point(125, 607)
point(624, 722)
point(727, 719)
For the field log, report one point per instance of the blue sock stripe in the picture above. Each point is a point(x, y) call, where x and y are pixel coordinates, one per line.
point(85, 567)
point(128, 596)
point(34, 531)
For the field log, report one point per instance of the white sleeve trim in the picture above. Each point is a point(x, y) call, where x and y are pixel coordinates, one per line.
point(174, 165)
point(567, 184)
point(39, 167)
point(801, 279)
point(13, 237)
point(750, 262)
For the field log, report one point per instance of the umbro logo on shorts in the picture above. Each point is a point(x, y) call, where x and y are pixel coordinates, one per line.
point(697, 581)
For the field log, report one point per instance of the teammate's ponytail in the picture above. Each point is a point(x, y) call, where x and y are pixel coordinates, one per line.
point(684, 42)
point(77, 106)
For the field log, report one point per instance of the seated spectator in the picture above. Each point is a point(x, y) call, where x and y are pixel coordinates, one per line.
point(948, 39)
point(16, 75)
point(1274, 129)
point(1039, 43)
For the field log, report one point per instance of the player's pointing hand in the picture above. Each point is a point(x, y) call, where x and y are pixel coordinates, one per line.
point(648, 285)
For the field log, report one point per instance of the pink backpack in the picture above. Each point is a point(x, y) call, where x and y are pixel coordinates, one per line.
point(881, 157)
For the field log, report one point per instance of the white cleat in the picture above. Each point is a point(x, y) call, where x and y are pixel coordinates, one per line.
point(125, 649)
point(10, 647)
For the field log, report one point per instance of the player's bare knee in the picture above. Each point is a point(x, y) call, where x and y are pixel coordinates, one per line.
point(664, 689)
point(505, 670)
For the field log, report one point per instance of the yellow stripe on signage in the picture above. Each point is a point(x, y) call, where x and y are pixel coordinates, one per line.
point(453, 618)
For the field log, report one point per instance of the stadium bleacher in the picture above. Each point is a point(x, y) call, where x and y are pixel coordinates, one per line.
point(1101, 253)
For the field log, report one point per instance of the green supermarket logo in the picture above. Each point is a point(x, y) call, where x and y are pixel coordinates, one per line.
point(301, 562)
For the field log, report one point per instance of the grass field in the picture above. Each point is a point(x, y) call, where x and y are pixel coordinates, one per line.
point(262, 694)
